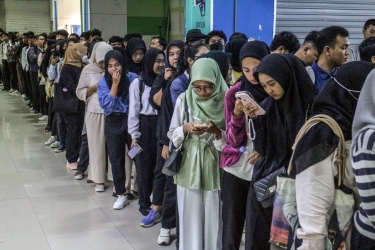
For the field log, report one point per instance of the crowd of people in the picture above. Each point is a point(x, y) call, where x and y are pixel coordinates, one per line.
point(235, 108)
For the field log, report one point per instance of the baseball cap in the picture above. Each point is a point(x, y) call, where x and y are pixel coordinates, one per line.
point(194, 35)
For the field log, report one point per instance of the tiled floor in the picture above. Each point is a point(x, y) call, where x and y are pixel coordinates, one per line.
point(43, 207)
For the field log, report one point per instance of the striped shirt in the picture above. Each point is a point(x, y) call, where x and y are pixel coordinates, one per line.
point(353, 53)
point(363, 162)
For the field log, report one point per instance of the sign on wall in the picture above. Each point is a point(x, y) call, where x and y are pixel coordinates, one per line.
point(198, 15)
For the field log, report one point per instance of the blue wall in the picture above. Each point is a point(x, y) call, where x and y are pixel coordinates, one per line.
point(251, 15)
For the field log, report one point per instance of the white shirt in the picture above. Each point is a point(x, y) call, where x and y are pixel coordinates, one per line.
point(135, 106)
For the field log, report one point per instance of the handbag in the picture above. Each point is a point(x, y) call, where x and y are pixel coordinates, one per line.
point(285, 215)
point(65, 102)
point(173, 162)
point(265, 188)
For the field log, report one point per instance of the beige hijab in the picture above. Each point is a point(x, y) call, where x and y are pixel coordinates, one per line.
point(73, 55)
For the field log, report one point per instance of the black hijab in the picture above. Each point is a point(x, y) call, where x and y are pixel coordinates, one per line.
point(222, 59)
point(123, 88)
point(148, 75)
point(61, 52)
point(134, 44)
point(340, 104)
point(177, 43)
point(277, 130)
point(122, 51)
point(234, 47)
point(258, 50)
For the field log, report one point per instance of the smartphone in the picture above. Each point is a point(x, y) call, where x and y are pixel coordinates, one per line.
point(246, 98)
point(134, 151)
point(200, 126)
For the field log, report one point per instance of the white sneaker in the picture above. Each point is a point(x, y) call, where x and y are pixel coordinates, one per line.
point(99, 188)
point(11, 91)
point(164, 238)
point(121, 202)
point(43, 118)
point(23, 96)
point(51, 140)
point(55, 144)
point(16, 91)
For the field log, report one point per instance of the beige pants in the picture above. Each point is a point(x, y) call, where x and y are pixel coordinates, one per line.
point(96, 142)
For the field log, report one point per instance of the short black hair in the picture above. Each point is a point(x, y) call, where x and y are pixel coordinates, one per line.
point(75, 34)
point(95, 32)
point(219, 33)
point(162, 41)
point(328, 35)
point(129, 36)
point(5, 34)
point(45, 36)
point(115, 39)
point(62, 32)
point(286, 39)
point(237, 35)
point(367, 49)
point(52, 35)
point(85, 35)
point(368, 23)
point(312, 38)
point(26, 34)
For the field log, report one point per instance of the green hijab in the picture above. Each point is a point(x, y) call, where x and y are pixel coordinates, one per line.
point(212, 108)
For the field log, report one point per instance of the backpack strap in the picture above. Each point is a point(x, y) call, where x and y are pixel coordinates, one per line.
point(341, 151)
point(141, 90)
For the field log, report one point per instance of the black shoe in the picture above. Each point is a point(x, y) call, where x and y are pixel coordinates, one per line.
point(5, 90)
point(129, 196)
point(47, 129)
point(27, 98)
point(36, 112)
point(144, 211)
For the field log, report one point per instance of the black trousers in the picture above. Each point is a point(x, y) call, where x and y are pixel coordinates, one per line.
point(83, 162)
point(116, 126)
point(27, 85)
point(61, 128)
point(6, 74)
point(50, 113)
point(169, 211)
point(159, 178)
point(74, 125)
point(234, 191)
point(54, 126)
point(146, 160)
point(13, 76)
point(258, 223)
point(43, 101)
point(361, 242)
point(35, 96)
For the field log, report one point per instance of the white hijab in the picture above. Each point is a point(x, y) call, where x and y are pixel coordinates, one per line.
point(97, 55)
point(364, 117)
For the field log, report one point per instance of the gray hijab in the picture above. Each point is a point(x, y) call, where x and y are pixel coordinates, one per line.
point(364, 117)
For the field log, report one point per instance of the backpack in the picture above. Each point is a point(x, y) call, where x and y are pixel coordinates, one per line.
point(285, 215)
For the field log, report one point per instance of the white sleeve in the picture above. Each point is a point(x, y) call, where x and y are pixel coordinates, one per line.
point(315, 193)
point(83, 85)
point(176, 131)
point(134, 109)
point(220, 144)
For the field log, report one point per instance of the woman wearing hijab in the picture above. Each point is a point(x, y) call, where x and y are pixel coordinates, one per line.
point(290, 92)
point(95, 118)
point(223, 60)
point(161, 82)
point(113, 90)
point(135, 51)
point(69, 78)
point(198, 180)
point(236, 164)
point(142, 125)
point(234, 46)
point(362, 157)
point(315, 183)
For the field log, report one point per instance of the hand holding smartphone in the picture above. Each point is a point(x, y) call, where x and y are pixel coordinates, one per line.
point(134, 151)
point(246, 98)
point(201, 126)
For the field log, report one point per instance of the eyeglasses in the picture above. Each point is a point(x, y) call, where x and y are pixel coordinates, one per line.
point(207, 89)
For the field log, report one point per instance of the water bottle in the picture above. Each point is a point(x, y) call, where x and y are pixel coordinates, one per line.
point(244, 150)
